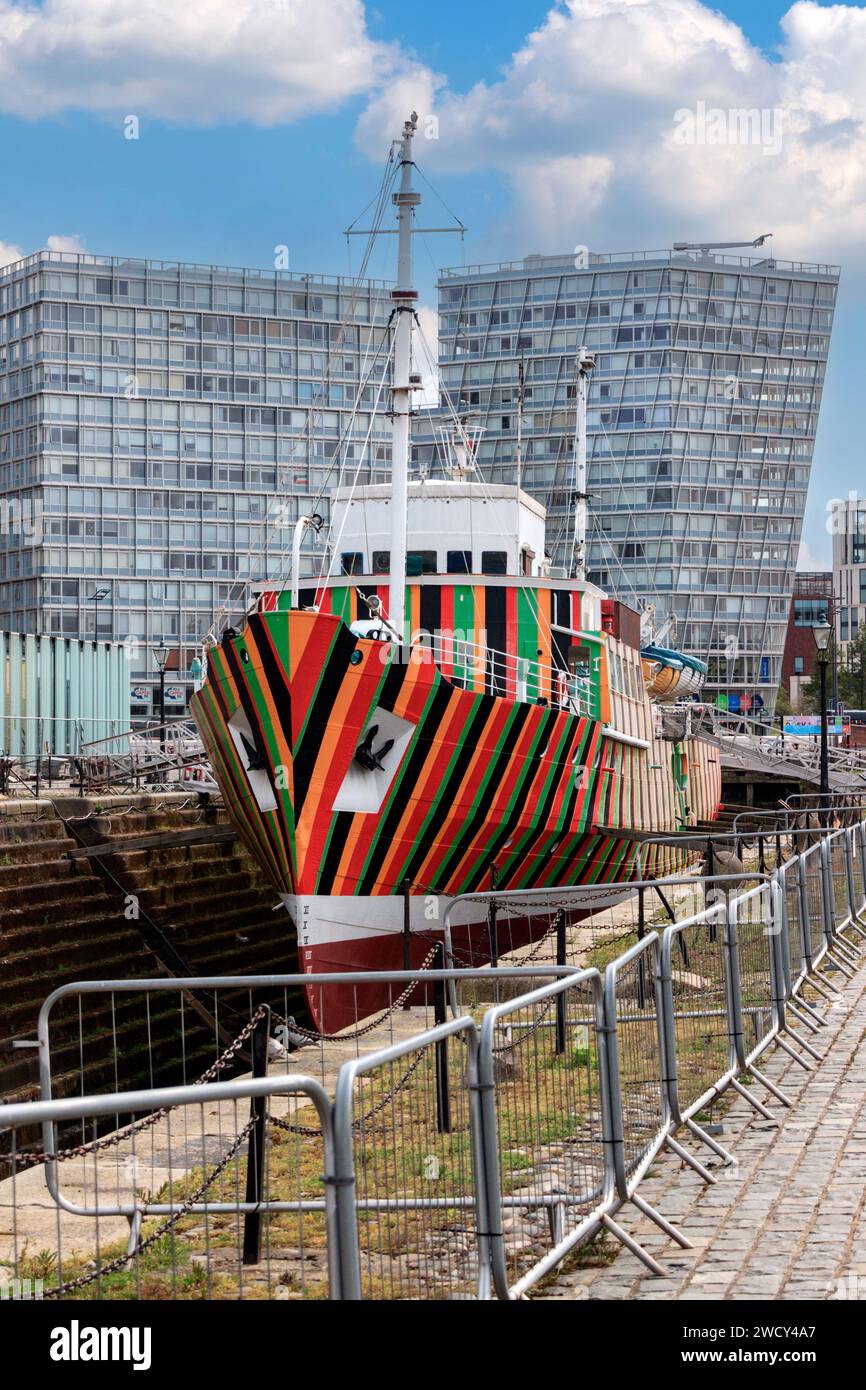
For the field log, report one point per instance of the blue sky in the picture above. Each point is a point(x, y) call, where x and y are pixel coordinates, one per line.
point(263, 122)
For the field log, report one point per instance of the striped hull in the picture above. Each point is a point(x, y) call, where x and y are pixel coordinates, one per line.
point(469, 780)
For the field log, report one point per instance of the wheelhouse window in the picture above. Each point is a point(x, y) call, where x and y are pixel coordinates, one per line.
point(494, 562)
point(421, 562)
point(459, 561)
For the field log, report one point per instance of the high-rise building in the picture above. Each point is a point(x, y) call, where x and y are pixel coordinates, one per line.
point(702, 416)
point(848, 525)
point(162, 425)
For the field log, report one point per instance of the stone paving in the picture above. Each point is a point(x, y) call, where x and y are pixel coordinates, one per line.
point(789, 1222)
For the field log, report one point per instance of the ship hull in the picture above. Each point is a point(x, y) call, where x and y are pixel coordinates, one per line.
point(463, 786)
point(369, 934)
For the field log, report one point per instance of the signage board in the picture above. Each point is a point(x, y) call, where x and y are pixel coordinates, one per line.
point(809, 726)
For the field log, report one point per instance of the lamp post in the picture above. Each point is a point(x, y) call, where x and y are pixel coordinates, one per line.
point(822, 631)
point(96, 598)
point(160, 656)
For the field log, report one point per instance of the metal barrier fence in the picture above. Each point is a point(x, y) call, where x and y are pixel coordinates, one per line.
point(198, 1226)
point(462, 1161)
point(542, 1072)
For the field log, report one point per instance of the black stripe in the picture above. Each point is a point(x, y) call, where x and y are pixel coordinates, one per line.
point(562, 616)
point(393, 683)
point(342, 824)
point(276, 678)
point(431, 608)
point(494, 618)
point(530, 771)
point(274, 829)
point(543, 828)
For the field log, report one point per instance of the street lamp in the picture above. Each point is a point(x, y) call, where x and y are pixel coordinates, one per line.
point(96, 598)
point(160, 656)
point(822, 631)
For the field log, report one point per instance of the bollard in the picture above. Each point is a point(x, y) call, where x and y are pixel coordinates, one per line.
point(440, 1015)
point(256, 1150)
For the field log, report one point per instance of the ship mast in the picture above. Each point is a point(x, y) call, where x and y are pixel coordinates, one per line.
point(404, 297)
point(585, 364)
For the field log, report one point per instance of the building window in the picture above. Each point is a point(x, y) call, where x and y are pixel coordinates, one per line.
point(798, 666)
point(808, 612)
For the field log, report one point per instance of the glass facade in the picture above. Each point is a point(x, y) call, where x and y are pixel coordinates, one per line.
point(162, 426)
point(702, 415)
point(848, 524)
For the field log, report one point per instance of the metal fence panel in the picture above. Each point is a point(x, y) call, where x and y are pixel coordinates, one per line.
point(858, 861)
point(411, 1189)
point(753, 922)
point(635, 1045)
point(795, 935)
point(840, 891)
point(699, 1044)
point(172, 1211)
point(542, 1072)
point(815, 904)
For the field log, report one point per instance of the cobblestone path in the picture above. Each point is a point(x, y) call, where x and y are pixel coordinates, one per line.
point(790, 1221)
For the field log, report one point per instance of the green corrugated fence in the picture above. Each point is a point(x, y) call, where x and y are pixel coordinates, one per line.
point(59, 692)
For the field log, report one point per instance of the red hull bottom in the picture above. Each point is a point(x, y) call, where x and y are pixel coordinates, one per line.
point(335, 1007)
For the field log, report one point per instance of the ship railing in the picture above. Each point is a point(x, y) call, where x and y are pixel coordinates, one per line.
point(461, 1161)
point(476, 666)
point(773, 745)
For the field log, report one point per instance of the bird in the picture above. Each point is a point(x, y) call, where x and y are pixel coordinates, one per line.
point(365, 754)
point(255, 762)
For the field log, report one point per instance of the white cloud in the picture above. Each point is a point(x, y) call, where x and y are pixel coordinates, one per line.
point(807, 559)
point(197, 61)
point(65, 243)
point(583, 123)
point(9, 253)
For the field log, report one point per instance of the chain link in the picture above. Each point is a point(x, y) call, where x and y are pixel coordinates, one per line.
point(111, 1268)
point(137, 1126)
point(308, 1132)
point(374, 1023)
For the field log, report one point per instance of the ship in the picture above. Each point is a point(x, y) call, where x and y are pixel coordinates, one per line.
point(443, 713)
